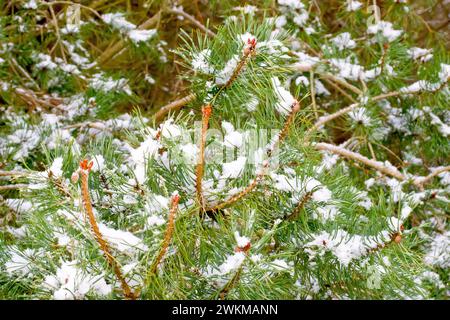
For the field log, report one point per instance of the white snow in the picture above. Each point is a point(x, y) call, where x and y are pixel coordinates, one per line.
point(200, 62)
point(71, 283)
point(98, 163)
point(124, 241)
point(293, 4)
point(241, 241)
point(385, 28)
point(353, 5)
point(56, 167)
point(284, 97)
point(438, 254)
point(234, 168)
point(118, 21)
point(225, 74)
point(138, 36)
point(233, 138)
point(419, 54)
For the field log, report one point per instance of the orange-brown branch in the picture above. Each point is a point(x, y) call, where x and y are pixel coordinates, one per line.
point(168, 234)
point(84, 172)
point(206, 114)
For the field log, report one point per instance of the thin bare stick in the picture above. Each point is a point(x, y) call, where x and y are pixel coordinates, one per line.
point(58, 35)
point(342, 82)
point(328, 118)
point(420, 181)
point(345, 94)
point(85, 167)
point(192, 19)
point(14, 186)
point(313, 93)
point(175, 105)
point(92, 125)
point(168, 234)
point(12, 173)
point(379, 166)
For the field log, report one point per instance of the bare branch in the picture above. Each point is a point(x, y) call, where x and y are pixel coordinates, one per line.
point(379, 166)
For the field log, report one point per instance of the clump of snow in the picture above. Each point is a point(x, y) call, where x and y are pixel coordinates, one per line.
point(293, 4)
point(233, 138)
point(385, 29)
point(344, 41)
point(21, 261)
point(344, 246)
point(359, 115)
point(56, 167)
point(285, 100)
point(353, 5)
point(124, 241)
point(438, 254)
point(108, 84)
point(234, 168)
point(138, 36)
point(98, 163)
point(241, 241)
point(419, 54)
point(200, 62)
point(225, 74)
point(72, 283)
point(118, 21)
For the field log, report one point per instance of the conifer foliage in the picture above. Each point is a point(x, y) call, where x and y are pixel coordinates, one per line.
point(287, 149)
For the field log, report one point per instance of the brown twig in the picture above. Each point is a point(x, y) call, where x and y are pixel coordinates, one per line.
point(12, 173)
point(173, 106)
point(14, 186)
point(192, 19)
point(421, 181)
point(322, 120)
point(85, 167)
point(295, 213)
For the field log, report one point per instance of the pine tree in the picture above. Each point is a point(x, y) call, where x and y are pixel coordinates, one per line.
point(304, 157)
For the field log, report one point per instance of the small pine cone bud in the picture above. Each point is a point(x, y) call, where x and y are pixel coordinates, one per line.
point(398, 238)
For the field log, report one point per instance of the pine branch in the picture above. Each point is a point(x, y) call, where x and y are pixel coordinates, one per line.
point(301, 204)
point(85, 167)
point(167, 235)
point(206, 114)
point(259, 177)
